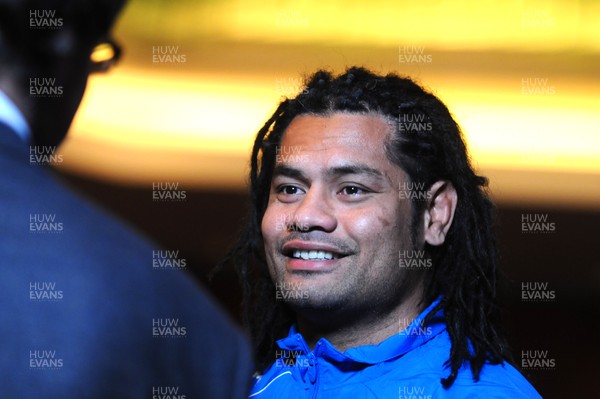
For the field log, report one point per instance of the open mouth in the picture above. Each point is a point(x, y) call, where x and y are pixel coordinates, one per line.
point(313, 255)
point(311, 251)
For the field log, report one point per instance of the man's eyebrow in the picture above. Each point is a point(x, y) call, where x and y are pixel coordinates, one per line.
point(336, 171)
point(288, 171)
point(354, 169)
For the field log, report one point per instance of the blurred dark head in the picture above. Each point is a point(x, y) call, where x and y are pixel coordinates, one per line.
point(52, 40)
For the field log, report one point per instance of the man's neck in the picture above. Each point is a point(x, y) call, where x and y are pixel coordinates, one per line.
point(370, 329)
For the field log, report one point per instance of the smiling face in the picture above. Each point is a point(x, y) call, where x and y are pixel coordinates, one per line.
point(335, 224)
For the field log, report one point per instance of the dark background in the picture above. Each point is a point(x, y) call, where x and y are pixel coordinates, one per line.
point(204, 225)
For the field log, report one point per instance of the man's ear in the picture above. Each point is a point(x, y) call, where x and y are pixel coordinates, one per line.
point(441, 204)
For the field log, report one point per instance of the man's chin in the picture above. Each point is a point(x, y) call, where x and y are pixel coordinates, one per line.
point(308, 301)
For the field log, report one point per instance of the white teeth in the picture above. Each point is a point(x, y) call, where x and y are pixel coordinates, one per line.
point(316, 255)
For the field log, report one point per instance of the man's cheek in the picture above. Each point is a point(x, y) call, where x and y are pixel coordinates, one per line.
point(266, 224)
point(363, 225)
point(269, 235)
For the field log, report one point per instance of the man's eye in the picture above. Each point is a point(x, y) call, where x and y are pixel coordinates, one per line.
point(288, 190)
point(353, 190)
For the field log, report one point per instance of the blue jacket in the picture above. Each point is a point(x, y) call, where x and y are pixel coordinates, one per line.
point(408, 365)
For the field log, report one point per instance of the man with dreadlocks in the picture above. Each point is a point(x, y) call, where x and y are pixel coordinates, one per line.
point(368, 260)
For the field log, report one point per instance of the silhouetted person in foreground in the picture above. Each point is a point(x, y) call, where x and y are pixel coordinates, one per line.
point(84, 313)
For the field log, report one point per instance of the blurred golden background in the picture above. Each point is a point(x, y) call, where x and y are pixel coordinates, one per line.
point(199, 78)
point(522, 77)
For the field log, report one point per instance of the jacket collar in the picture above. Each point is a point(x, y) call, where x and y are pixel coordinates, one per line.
point(415, 335)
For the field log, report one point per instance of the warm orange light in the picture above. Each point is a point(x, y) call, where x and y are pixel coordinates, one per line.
point(533, 127)
point(102, 52)
point(534, 25)
point(137, 125)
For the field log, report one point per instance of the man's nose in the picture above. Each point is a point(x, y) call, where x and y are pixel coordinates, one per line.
point(315, 212)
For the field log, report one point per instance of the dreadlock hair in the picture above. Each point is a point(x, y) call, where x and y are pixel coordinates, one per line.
point(463, 271)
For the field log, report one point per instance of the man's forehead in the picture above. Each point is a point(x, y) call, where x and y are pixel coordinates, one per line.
point(338, 130)
point(336, 145)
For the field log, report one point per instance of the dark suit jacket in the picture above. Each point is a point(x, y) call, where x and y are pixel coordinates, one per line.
point(83, 312)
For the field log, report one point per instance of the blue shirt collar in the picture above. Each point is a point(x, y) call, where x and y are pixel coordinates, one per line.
point(13, 118)
point(415, 335)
